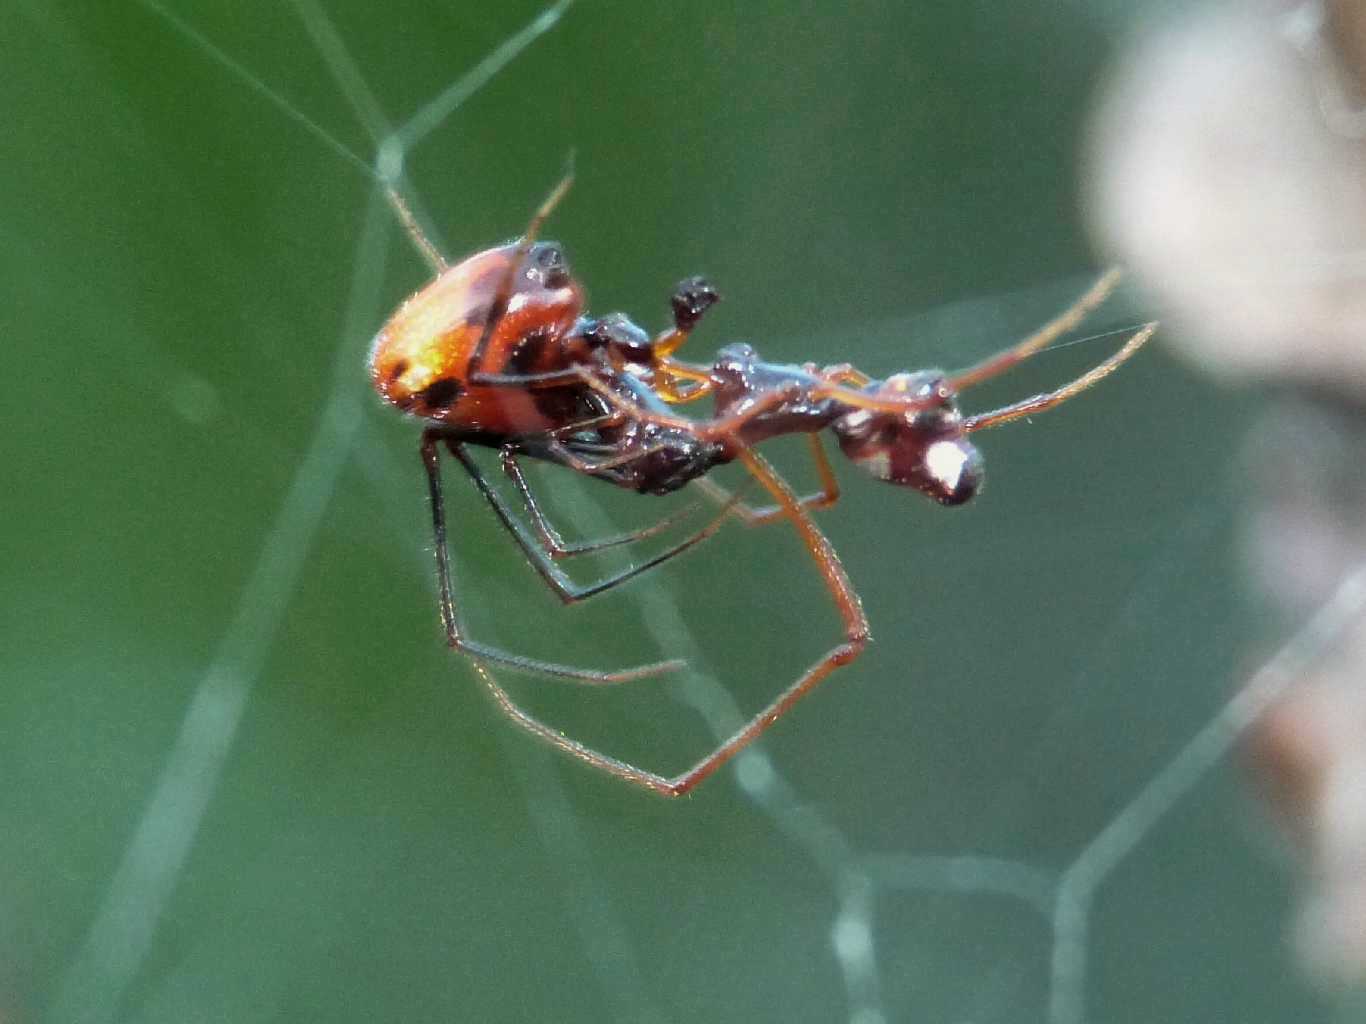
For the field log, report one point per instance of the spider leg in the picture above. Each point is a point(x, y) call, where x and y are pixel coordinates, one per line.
point(410, 224)
point(843, 373)
point(597, 377)
point(550, 540)
point(450, 619)
point(601, 375)
point(678, 382)
point(543, 562)
point(1060, 324)
point(1046, 401)
point(722, 428)
point(553, 737)
point(548, 379)
point(584, 425)
point(856, 632)
point(602, 467)
point(827, 496)
point(834, 382)
point(856, 628)
point(499, 306)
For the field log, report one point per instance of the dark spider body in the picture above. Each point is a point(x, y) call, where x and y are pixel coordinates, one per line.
point(925, 447)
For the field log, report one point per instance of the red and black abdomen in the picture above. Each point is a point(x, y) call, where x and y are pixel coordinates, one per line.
point(424, 359)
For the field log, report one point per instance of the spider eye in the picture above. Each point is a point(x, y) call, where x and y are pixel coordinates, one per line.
point(926, 385)
point(547, 265)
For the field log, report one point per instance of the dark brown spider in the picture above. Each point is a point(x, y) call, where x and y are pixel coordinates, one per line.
point(497, 352)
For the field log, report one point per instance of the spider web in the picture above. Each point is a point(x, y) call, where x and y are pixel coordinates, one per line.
point(848, 908)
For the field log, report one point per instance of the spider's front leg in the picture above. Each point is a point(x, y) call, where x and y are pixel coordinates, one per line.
point(827, 496)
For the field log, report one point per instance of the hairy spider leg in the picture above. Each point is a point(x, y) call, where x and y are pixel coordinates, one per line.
point(856, 631)
point(414, 230)
point(560, 453)
point(827, 496)
point(1046, 401)
point(502, 296)
point(551, 542)
point(543, 562)
point(727, 426)
point(841, 373)
point(455, 637)
point(498, 307)
point(1062, 323)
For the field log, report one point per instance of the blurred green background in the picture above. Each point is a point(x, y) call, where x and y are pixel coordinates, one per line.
point(244, 781)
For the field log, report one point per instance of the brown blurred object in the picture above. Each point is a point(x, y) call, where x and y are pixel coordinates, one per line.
point(1309, 751)
point(1307, 525)
point(1229, 173)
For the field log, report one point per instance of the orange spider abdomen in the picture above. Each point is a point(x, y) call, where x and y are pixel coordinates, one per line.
point(424, 359)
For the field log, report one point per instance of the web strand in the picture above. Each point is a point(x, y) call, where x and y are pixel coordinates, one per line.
point(126, 924)
point(258, 86)
point(1207, 748)
point(150, 869)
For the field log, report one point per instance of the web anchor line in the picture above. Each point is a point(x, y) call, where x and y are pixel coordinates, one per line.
point(119, 939)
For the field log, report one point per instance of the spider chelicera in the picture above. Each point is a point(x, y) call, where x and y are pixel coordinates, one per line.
point(497, 352)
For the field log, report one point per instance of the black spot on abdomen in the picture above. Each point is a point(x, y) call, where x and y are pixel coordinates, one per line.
point(526, 355)
point(440, 395)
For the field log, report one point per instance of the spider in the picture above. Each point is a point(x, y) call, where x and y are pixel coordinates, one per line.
point(497, 352)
